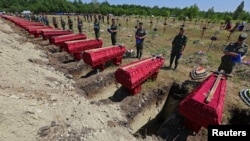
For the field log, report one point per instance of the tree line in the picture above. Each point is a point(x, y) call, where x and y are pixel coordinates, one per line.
point(77, 6)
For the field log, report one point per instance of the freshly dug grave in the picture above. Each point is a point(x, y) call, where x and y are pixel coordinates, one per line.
point(145, 106)
point(91, 86)
point(169, 124)
point(62, 61)
point(75, 109)
point(240, 116)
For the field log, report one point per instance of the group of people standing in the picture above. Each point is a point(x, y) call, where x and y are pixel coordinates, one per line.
point(233, 53)
point(69, 22)
point(113, 28)
point(179, 43)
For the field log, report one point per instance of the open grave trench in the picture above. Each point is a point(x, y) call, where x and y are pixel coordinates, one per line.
point(148, 113)
point(102, 88)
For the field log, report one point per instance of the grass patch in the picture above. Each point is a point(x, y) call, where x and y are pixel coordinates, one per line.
point(159, 42)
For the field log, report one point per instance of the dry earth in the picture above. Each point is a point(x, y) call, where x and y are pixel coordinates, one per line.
point(38, 102)
point(42, 98)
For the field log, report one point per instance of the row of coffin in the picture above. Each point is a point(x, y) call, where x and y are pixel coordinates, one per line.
point(195, 108)
point(131, 75)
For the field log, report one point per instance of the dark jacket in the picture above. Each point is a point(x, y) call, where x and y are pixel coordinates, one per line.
point(140, 32)
point(113, 27)
point(234, 47)
point(178, 42)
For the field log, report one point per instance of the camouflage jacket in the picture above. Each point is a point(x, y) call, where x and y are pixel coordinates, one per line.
point(178, 42)
point(234, 47)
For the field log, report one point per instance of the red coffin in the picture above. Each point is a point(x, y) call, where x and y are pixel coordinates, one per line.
point(59, 40)
point(29, 28)
point(27, 23)
point(200, 113)
point(57, 32)
point(132, 75)
point(21, 21)
point(32, 26)
point(38, 32)
point(17, 21)
point(11, 18)
point(98, 57)
point(34, 30)
point(76, 47)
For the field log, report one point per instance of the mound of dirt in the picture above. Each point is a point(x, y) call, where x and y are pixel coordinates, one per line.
point(38, 101)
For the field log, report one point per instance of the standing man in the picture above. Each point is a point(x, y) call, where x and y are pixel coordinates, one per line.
point(63, 23)
point(97, 28)
point(113, 32)
point(140, 35)
point(70, 23)
point(234, 51)
point(46, 20)
point(79, 24)
point(178, 46)
point(108, 19)
point(55, 22)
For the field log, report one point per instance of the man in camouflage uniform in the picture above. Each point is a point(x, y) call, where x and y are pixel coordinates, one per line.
point(97, 28)
point(79, 24)
point(63, 23)
point(113, 32)
point(140, 35)
point(233, 50)
point(46, 20)
point(178, 46)
point(54, 22)
point(70, 23)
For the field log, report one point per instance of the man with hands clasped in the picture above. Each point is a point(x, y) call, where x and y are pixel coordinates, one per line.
point(140, 35)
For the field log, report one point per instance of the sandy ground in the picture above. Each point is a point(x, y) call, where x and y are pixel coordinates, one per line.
point(39, 103)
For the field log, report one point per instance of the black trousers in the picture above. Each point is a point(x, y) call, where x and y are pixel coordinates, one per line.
point(139, 49)
point(97, 33)
point(113, 39)
point(174, 57)
point(80, 29)
point(227, 66)
point(71, 27)
point(55, 25)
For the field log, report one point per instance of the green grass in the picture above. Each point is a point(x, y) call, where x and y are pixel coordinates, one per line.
point(159, 42)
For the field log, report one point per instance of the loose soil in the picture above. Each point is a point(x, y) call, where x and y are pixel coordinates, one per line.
point(47, 95)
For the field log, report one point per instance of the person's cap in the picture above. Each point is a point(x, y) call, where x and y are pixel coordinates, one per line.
point(242, 36)
point(140, 23)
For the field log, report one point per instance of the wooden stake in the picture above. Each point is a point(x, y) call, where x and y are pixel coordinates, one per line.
point(215, 85)
point(211, 44)
point(202, 33)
